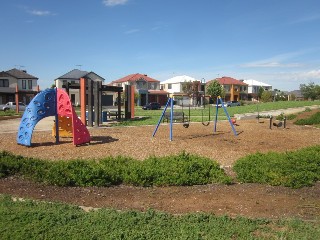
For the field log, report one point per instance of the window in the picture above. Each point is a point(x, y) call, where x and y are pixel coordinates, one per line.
point(29, 84)
point(4, 82)
point(169, 86)
point(24, 84)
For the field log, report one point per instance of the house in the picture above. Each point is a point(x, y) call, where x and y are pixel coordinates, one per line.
point(73, 77)
point(19, 82)
point(176, 88)
point(295, 95)
point(147, 88)
point(235, 90)
point(253, 88)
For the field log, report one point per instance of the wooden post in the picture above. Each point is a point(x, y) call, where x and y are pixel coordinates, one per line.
point(17, 99)
point(119, 104)
point(83, 100)
point(96, 103)
point(90, 103)
point(132, 101)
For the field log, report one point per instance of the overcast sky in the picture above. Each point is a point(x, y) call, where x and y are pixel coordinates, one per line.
point(273, 41)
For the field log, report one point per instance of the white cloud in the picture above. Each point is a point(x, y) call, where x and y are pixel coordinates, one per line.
point(111, 3)
point(132, 31)
point(306, 19)
point(271, 65)
point(278, 61)
point(40, 13)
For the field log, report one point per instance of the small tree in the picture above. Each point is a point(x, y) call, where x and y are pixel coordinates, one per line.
point(191, 89)
point(310, 91)
point(266, 96)
point(214, 89)
point(260, 91)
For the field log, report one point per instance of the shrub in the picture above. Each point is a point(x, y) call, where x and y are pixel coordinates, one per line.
point(312, 120)
point(183, 169)
point(291, 169)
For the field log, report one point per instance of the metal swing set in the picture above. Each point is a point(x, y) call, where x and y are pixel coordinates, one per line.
point(187, 123)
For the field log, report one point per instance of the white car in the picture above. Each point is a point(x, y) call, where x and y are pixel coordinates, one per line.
point(224, 104)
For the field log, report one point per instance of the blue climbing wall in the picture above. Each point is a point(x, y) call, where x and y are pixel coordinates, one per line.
point(42, 105)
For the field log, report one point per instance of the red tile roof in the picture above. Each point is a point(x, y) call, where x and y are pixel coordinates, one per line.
point(229, 81)
point(135, 77)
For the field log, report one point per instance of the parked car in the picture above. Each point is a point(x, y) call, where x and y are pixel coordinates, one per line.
point(224, 104)
point(12, 106)
point(152, 106)
point(233, 103)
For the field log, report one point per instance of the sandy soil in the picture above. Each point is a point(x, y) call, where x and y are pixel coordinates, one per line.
point(252, 200)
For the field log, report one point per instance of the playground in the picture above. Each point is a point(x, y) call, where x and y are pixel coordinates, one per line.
point(250, 200)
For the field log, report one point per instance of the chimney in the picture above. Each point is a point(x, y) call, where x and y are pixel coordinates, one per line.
point(25, 71)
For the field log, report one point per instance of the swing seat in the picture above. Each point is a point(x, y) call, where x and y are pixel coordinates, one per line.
point(234, 121)
point(186, 125)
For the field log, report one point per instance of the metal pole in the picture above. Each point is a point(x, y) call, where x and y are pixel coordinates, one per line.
point(164, 110)
point(216, 119)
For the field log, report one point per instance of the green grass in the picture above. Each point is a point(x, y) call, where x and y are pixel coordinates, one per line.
point(294, 169)
point(10, 113)
point(151, 117)
point(182, 169)
point(40, 220)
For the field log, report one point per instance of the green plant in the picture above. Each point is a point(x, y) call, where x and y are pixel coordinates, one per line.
point(291, 169)
point(40, 220)
point(312, 120)
point(182, 169)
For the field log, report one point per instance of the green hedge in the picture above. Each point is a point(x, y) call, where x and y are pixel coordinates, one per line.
point(182, 169)
point(291, 169)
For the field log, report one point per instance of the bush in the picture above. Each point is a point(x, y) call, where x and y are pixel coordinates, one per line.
point(312, 120)
point(183, 169)
point(291, 169)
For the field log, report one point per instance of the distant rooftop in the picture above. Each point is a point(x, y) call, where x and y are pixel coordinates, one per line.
point(252, 82)
point(20, 74)
point(179, 79)
point(229, 81)
point(77, 74)
point(135, 77)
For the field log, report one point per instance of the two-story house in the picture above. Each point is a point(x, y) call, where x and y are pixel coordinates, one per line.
point(235, 90)
point(73, 78)
point(19, 82)
point(254, 86)
point(147, 88)
point(176, 87)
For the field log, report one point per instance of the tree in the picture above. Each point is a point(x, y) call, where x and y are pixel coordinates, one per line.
point(266, 96)
point(214, 89)
point(311, 91)
point(191, 89)
point(260, 91)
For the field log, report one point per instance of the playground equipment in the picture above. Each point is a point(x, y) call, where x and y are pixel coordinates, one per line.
point(219, 100)
point(52, 102)
point(186, 124)
point(277, 124)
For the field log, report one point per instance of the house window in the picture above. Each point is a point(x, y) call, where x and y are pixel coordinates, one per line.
point(169, 86)
point(4, 82)
point(30, 84)
point(24, 84)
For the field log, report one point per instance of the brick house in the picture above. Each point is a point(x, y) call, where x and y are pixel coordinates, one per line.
point(13, 80)
point(235, 90)
point(147, 88)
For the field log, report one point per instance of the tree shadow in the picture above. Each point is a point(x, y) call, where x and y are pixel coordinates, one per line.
point(95, 140)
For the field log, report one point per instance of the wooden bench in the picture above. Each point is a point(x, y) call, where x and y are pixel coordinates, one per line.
point(177, 116)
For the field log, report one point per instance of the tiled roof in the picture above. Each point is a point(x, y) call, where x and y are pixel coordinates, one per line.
point(20, 74)
point(229, 81)
point(74, 74)
point(135, 77)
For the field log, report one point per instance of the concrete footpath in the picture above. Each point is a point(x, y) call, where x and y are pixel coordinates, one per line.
point(274, 112)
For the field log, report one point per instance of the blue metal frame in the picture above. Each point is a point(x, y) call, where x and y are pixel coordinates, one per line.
point(228, 116)
point(170, 101)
